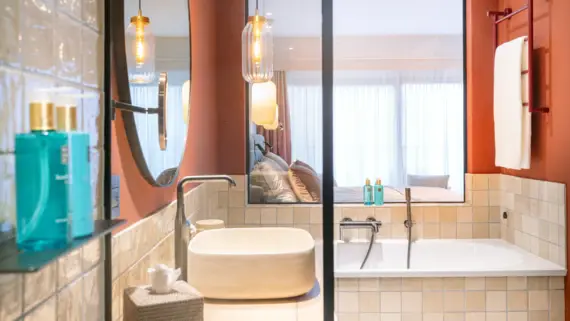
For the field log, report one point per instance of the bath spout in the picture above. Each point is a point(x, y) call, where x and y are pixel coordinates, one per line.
point(409, 223)
point(181, 239)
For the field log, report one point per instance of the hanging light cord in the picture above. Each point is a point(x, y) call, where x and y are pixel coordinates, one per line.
point(140, 7)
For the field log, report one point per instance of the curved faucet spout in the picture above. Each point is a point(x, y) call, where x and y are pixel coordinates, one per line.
point(181, 240)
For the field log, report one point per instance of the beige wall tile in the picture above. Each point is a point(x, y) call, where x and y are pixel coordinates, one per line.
point(431, 214)
point(45, 312)
point(516, 283)
point(517, 301)
point(70, 301)
point(448, 230)
point(390, 284)
point(368, 285)
point(475, 301)
point(480, 182)
point(433, 316)
point(432, 284)
point(496, 316)
point(448, 214)
point(412, 301)
point(411, 284)
point(11, 289)
point(537, 300)
point(537, 283)
point(517, 316)
point(454, 301)
point(368, 302)
point(347, 285)
point(432, 302)
point(537, 315)
point(268, 216)
point(495, 283)
point(285, 215)
point(42, 285)
point(390, 302)
point(464, 230)
point(347, 301)
point(68, 268)
point(93, 288)
point(454, 284)
point(475, 316)
point(496, 301)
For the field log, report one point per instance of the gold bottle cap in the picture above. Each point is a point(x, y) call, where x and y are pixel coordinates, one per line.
point(367, 181)
point(378, 181)
point(66, 118)
point(41, 116)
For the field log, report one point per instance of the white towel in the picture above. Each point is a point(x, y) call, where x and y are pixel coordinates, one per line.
point(512, 120)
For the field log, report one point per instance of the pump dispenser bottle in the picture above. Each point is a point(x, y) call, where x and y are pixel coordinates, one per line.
point(368, 194)
point(41, 158)
point(378, 192)
point(80, 203)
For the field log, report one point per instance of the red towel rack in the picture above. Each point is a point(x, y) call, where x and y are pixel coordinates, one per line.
point(508, 13)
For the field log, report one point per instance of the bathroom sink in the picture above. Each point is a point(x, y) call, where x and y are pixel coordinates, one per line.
point(252, 263)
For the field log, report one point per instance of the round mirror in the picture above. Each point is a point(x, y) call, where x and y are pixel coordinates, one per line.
point(153, 77)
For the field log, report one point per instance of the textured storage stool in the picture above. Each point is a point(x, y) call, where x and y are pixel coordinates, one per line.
point(183, 303)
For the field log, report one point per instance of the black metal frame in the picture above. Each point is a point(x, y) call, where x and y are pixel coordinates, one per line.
point(108, 121)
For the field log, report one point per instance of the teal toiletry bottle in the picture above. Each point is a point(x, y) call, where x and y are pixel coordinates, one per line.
point(368, 193)
point(378, 193)
point(42, 213)
point(81, 207)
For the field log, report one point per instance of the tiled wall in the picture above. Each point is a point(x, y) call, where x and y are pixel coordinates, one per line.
point(536, 216)
point(451, 299)
point(53, 46)
point(149, 242)
point(478, 217)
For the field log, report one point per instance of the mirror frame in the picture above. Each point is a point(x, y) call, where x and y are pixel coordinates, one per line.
point(123, 95)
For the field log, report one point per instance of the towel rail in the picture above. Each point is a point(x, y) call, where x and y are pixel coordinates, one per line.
point(507, 14)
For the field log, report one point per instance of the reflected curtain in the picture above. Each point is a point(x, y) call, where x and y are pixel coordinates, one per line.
point(280, 138)
point(387, 124)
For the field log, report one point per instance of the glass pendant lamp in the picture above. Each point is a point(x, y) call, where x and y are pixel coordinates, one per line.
point(186, 101)
point(140, 47)
point(257, 49)
point(264, 103)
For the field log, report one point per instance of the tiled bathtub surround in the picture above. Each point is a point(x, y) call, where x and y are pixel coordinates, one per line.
point(47, 44)
point(451, 299)
point(536, 216)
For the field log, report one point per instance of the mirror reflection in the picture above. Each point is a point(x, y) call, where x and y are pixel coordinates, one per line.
point(398, 104)
point(157, 43)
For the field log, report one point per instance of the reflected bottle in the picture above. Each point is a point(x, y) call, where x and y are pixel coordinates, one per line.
point(80, 203)
point(42, 209)
point(378, 193)
point(368, 194)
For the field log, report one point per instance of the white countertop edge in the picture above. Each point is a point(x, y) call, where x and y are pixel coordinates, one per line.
point(443, 274)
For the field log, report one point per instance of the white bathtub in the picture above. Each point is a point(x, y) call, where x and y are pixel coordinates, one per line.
point(440, 258)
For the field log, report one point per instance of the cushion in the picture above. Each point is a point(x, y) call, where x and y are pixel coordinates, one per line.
point(428, 180)
point(274, 181)
point(277, 159)
point(303, 177)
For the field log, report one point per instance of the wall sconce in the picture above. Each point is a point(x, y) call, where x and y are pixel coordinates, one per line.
point(160, 111)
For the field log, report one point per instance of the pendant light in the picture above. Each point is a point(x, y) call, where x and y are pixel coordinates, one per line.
point(257, 49)
point(275, 124)
point(186, 101)
point(264, 110)
point(140, 45)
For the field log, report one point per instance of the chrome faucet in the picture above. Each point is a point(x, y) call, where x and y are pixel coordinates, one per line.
point(409, 223)
point(181, 240)
point(371, 223)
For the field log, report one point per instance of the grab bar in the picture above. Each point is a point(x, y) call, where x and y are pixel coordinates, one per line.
point(370, 222)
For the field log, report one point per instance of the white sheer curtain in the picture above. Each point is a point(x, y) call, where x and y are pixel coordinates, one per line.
point(147, 128)
point(387, 124)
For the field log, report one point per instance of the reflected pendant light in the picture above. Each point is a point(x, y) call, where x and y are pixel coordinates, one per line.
point(140, 45)
point(275, 124)
point(257, 49)
point(186, 101)
point(264, 103)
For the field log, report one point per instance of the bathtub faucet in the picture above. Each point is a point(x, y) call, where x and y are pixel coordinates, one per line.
point(371, 223)
point(409, 223)
point(181, 240)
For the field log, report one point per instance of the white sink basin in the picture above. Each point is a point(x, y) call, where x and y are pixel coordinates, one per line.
point(252, 263)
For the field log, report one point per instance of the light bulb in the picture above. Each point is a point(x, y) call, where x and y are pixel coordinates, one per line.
point(139, 42)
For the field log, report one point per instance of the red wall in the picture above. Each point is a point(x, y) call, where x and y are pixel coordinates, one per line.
point(550, 132)
point(216, 111)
